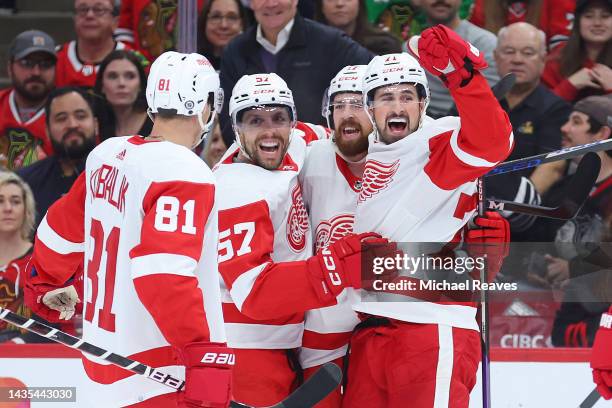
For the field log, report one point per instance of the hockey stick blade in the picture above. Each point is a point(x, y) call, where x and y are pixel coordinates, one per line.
point(591, 399)
point(501, 89)
point(575, 194)
point(563, 154)
point(314, 390)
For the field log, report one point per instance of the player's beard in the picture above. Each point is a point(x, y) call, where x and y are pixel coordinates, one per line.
point(354, 147)
point(33, 89)
point(74, 150)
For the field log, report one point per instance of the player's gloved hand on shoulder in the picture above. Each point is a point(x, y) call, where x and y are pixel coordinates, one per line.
point(489, 237)
point(208, 375)
point(338, 265)
point(443, 53)
point(52, 303)
point(601, 356)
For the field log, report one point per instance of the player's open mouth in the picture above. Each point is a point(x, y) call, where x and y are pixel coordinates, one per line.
point(269, 146)
point(350, 132)
point(397, 125)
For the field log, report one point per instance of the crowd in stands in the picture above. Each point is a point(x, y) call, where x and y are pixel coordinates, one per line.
point(64, 99)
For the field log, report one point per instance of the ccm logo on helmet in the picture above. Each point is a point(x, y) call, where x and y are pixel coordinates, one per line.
point(262, 79)
point(328, 260)
point(219, 358)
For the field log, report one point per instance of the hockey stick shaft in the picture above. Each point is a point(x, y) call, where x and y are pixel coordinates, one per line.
point(563, 154)
point(591, 399)
point(574, 197)
point(484, 314)
point(66, 339)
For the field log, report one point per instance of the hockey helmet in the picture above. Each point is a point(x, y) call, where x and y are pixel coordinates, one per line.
point(182, 84)
point(391, 69)
point(349, 79)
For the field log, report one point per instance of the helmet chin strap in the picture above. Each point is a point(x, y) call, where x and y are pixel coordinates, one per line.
point(205, 128)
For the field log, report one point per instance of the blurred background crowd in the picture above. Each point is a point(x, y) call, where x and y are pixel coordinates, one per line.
point(74, 74)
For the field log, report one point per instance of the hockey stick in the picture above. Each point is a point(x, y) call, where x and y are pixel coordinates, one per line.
point(314, 389)
point(591, 399)
point(562, 154)
point(574, 197)
point(74, 342)
point(484, 315)
point(317, 387)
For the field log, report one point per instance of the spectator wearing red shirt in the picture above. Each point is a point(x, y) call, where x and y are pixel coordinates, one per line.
point(554, 17)
point(16, 227)
point(31, 68)
point(583, 66)
point(94, 24)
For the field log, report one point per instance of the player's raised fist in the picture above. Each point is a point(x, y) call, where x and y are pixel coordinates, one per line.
point(446, 55)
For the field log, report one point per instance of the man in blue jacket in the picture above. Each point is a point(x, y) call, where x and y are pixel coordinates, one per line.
point(306, 54)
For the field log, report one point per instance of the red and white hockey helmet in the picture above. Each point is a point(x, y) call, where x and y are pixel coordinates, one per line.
point(259, 90)
point(349, 79)
point(183, 84)
point(391, 69)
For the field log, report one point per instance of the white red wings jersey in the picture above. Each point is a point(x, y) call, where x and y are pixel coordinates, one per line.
point(330, 193)
point(19, 140)
point(423, 188)
point(71, 70)
point(262, 220)
point(143, 214)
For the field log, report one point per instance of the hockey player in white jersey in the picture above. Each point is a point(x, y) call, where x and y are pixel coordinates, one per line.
point(270, 275)
point(143, 218)
point(419, 186)
point(331, 181)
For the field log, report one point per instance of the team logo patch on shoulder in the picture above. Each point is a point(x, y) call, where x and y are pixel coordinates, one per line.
point(330, 231)
point(297, 221)
point(376, 177)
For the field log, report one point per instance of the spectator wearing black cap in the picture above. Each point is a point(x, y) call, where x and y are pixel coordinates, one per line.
point(590, 121)
point(583, 66)
point(73, 130)
point(78, 60)
point(31, 68)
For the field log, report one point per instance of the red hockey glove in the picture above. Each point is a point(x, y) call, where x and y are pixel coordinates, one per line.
point(52, 303)
point(446, 55)
point(338, 265)
point(208, 374)
point(489, 238)
point(601, 357)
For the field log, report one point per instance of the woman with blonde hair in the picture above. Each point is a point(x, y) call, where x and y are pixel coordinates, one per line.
point(17, 215)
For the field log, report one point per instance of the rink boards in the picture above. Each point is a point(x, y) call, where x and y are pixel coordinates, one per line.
point(520, 377)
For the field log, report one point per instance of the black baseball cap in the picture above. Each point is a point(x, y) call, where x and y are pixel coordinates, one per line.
point(31, 41)
point(581, 5)
point(598, 108)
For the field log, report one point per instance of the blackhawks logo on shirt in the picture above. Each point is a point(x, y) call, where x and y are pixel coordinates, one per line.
point(18, 146)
